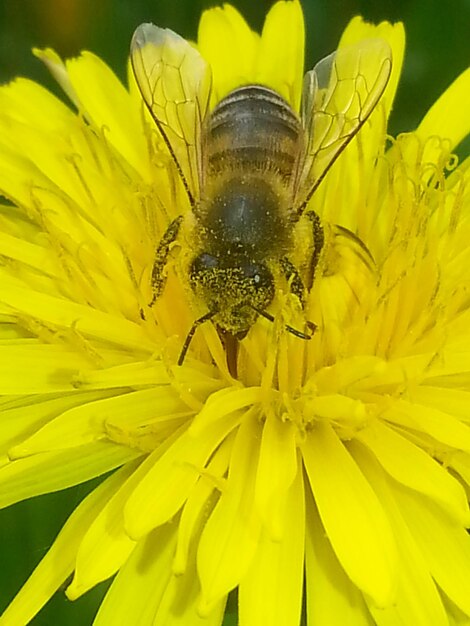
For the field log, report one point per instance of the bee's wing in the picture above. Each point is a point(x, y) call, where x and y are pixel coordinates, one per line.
point(338, 96)
point(174, 81)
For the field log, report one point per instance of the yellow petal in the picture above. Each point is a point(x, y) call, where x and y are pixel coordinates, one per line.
point(460, 462)
point(331, 597)
point(453, 401)
point(28, 367)
point(277, 468)
point(418, 600)
point(229, 45)
point(105, 546)
point(19, 172)
point(414, 468)
point(66, 313)
point(280, 61)
point(36, 256)
point(26, 101)
point(52, 471)
point(28, 414)
point(146, 592)
point(448, 117)
point(136, 592)
point(222, 403)
point(271, 591)
point(444, 544)
point(136, 374)
point(199, 503)
point(50, 165)
point(441, 425)
point(165, 487)
point(90, 421)
point(108, 105)
point(233, 526)
point(57, 68)
point(352, 515)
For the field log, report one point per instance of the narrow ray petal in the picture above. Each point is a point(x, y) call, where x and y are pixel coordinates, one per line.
point(271, 591)
point(353, 517)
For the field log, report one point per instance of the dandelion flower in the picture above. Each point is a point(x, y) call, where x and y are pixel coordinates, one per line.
point(328, 481)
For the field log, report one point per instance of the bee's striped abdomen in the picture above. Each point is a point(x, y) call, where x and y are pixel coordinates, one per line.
point(255, 129)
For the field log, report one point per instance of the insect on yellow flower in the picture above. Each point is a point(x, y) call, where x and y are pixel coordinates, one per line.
point(250, 167)
point(306, 451)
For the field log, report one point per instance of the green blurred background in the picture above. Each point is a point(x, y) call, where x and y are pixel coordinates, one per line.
point(438, 49)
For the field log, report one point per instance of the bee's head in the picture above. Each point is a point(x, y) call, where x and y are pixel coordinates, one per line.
point(235, 287)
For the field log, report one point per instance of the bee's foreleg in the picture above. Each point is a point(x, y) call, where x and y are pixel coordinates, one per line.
point(296, 284)
point(318, 242)
point(161, 257)
point(297, 287)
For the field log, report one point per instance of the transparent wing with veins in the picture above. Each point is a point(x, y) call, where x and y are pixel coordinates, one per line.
point(174, 81)
point(339, 95)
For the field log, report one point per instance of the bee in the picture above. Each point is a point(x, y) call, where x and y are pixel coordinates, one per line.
point(249, 168)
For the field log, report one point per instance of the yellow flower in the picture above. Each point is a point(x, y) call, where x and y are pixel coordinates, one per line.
point(337, 467)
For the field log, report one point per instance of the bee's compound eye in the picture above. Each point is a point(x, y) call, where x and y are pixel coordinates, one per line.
point(259, 275)
point(203, 262)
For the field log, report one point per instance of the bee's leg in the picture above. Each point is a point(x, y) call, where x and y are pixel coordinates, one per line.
point(190, 335)
point(297, 287)
point(318, 242)
point(161, 257)
point(296, 283)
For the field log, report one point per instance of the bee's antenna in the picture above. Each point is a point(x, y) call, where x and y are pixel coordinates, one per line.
point(290, 329)
point(190, 335)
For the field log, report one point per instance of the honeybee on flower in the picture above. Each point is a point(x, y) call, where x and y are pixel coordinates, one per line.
point(249, 168)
